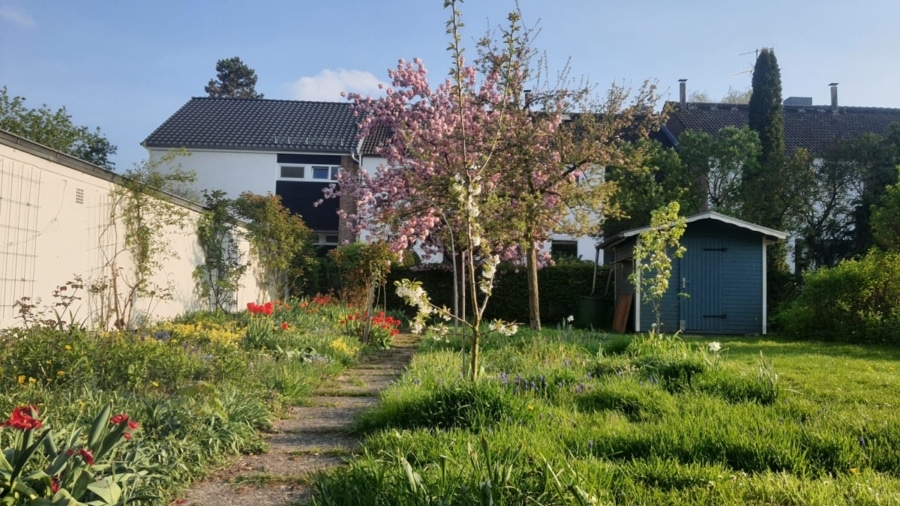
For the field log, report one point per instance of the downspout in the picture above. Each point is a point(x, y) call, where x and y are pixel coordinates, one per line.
point(356, 153)
point(765, 286)
point(637, 289)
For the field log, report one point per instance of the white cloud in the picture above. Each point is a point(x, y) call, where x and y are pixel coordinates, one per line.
point(16, 16)
point(327, 85)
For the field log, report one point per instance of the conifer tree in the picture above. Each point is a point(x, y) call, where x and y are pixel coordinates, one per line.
point(234, 79)
point(765, 183)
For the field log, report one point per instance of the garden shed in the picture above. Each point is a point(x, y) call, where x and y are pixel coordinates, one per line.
point(717, 287)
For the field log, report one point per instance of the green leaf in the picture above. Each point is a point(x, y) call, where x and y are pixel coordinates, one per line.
point(99, 427)
point(82, 478)
point(58, 463)
point(50, 445)
point(4, 463)
point(107, 490)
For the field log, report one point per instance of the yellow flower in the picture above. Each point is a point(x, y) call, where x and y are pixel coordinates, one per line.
point(530, 407)
point(154, 384)
point(60, 373)
point(21, 379)
point(32, 380)
point(853, 470)
point(68, 347)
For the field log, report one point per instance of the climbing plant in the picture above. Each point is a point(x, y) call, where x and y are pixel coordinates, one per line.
point(141, 211)
point(218, 277)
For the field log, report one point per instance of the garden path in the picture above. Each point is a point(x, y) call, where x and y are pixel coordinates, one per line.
point(311, 438)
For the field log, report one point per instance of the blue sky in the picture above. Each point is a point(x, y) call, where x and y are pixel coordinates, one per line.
point(126, 66)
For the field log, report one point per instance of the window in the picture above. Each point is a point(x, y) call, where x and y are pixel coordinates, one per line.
point(564, 249)
point(326, 238)
point(292, 171)
point(321, 172)
point(317, 172)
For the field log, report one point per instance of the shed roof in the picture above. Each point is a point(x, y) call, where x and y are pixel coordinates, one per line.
point(259, 124)
point(770, 233)
point(813, 127)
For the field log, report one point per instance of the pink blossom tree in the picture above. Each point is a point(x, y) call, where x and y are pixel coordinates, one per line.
point(481, 167)
point(557, 142)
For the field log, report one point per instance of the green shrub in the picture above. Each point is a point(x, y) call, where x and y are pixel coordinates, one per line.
point(858, 301)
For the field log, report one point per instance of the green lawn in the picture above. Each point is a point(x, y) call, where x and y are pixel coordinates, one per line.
point(572, 418)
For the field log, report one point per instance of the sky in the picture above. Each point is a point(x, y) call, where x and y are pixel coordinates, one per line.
point(126, 66)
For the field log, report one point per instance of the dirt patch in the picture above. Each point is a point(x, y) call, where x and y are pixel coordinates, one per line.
point(310, 438)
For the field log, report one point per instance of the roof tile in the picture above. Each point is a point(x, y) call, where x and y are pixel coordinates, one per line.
point(815, 128)
point(258, 124)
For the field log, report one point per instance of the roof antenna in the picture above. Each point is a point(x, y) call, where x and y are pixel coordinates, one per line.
point(748, 70)
point(755, 54)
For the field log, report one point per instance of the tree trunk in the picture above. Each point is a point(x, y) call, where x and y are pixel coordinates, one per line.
point(534, 300)
point(473, 373)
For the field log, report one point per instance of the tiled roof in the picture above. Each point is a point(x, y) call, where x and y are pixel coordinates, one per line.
point(257, 124)
point(815, 128)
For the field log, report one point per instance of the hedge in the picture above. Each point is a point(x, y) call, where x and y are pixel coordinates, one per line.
point(561, 288)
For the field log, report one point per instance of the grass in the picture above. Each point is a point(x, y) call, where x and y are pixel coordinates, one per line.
point(582, 418)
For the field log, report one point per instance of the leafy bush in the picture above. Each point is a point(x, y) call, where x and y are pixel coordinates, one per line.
point(858, 301)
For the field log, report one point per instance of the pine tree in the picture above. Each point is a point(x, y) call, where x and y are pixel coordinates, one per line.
point(234, 79)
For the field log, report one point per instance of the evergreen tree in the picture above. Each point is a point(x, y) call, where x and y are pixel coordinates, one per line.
point(234, 79)
point(765, 108)
point(765, 186)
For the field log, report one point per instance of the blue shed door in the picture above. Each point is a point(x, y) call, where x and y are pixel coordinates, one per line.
point(701, 269)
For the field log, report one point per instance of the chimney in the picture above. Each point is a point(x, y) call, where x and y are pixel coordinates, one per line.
point(834, 102)
point(682, 92)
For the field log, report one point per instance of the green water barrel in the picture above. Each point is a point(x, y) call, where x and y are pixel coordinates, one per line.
point(595, 311)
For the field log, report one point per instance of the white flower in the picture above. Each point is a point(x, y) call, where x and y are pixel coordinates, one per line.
point(571, 318)
point(502, 327)
point(714, 347)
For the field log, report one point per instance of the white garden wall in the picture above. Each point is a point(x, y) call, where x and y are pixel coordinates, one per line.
point(55, 225)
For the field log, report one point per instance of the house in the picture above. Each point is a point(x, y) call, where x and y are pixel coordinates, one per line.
point(828, 233)
point(717, 287)
point(286, 147)
point(290, 148)
point(813, 127)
